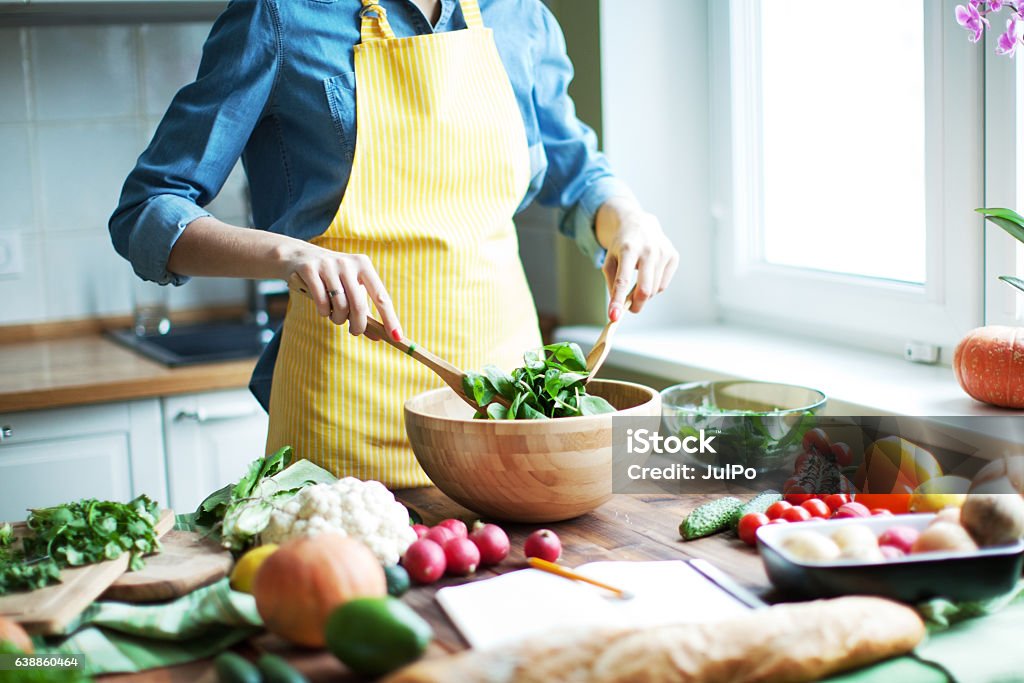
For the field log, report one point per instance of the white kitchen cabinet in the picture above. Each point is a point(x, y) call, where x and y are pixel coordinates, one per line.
point(210, 439)
point(111, 451)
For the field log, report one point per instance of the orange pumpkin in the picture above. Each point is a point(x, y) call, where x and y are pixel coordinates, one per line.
point(13, 633)
point(298, 586)
point(989, 365)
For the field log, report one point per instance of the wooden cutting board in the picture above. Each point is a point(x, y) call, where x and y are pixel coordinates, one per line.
point(188, 561)
point(47, 611)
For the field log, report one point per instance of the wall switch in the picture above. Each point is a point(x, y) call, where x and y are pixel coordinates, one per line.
point(11, 259)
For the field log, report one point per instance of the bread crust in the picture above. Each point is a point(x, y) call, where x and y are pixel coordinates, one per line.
point(782, 644)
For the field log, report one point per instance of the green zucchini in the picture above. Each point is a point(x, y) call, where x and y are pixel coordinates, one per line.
point(276, 670)
point(758, 503)
point(234, 668)
point(709, 518)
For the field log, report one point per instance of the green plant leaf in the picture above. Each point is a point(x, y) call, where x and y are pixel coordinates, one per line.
point(501, 381)
point(1013, 281)
point(1007, 219)
point(594, 405)
point(496, 411)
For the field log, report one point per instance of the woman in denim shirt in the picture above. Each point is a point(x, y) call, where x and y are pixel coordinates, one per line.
point(463, 118)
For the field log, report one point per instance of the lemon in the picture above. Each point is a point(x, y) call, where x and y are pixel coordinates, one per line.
point(244, 573)
point(939, 493)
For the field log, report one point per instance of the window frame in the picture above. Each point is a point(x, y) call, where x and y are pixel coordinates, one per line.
point(855, 310)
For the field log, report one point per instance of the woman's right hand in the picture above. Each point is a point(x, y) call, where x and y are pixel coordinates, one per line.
point(338, 284)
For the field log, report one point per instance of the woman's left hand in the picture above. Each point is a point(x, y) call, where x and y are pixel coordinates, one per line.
point(635, 242)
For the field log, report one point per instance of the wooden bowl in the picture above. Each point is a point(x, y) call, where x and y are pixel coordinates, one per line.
point(522, 470)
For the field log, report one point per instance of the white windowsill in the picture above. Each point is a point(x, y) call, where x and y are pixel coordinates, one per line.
point(856, 382)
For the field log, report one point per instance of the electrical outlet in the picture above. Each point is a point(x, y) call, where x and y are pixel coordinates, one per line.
point(11, 260)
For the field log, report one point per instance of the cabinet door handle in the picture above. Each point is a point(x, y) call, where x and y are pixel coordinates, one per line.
point(228, 412)
point(6, 432)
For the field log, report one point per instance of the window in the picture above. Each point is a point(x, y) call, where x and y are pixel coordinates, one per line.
point(848, 163)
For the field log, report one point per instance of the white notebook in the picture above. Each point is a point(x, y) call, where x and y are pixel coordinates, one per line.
point(527, 602)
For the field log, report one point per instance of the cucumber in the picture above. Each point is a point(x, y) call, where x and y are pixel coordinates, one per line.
point(709, 518)
point(758, 503)
point(276, 670)
point(234, 668)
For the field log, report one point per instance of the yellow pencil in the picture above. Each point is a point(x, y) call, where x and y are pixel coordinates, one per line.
point(559, 570)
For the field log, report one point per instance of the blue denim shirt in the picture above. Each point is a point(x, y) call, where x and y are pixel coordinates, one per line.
point(276, 87)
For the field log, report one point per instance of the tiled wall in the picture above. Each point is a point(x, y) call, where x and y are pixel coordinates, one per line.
point(77, 106)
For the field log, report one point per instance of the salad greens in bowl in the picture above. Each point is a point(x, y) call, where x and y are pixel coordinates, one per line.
point(755, 424)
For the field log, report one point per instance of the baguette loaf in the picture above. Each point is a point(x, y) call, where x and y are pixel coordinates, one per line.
point(781, 644)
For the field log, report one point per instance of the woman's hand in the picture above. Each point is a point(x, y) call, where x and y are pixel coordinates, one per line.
point(338, 284)
point(635, 242)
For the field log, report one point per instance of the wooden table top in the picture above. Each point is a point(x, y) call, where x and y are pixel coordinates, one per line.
point(626, 528)
point(94, 369)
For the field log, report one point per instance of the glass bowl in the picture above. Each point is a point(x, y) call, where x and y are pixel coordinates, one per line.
point(755, 424)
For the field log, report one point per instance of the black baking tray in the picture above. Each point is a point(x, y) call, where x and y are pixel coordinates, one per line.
point(985, 573)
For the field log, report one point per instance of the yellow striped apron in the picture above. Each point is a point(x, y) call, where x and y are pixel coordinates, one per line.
point(441, 164)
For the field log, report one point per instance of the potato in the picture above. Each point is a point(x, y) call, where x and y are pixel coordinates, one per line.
point(944, 537)
point(854, 537)
point(810, 546)
point(993, 518)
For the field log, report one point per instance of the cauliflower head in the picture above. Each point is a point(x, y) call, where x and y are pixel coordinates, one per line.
point(365, 510)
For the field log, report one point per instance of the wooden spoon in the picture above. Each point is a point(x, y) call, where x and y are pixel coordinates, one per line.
point(449, 374)
point(603, 345)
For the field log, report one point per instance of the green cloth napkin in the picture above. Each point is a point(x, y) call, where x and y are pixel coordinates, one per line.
point(971, 642)
point(121, 637)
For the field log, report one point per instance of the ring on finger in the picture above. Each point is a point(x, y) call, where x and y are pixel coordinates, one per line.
point(333, 293)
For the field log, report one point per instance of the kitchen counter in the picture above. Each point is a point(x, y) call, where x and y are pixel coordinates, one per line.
point(626, 528)
point(90, 368)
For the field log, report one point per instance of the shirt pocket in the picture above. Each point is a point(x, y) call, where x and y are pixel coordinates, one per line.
point(341, 99)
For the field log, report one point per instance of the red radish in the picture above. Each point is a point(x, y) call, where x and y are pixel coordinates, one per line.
point(817, 507)
point(492, 542)
point(425, 561)
point(776, 509)
point(779, 520)
point(456, 526)
point(421, 530)
point(902, 537)
point(796, 514)
point(881, 512)
point(544, 544)
point(462, 556)
point(891, 552)
point(853, 509)
point(440, 535)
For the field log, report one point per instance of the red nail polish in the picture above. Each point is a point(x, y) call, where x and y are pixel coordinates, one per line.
point(396, 334)
point(615, 313)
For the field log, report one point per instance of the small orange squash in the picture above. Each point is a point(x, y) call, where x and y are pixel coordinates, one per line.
point(11, 632)
point(989, 365)
point(298, 586)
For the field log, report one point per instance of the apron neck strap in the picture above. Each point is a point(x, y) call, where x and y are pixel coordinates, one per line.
point(375, 26)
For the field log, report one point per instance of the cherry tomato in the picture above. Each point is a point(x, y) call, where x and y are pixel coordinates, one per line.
point(749, 524)
point(797, 496)
point(880, 512)
point(796, 514)
point(836, 500)
point(779, 520)
point(776, 509)
point(841, 452)
point(816, 439)
point(817, 508)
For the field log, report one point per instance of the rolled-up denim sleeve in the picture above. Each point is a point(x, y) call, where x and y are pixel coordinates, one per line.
point(579, 178)
point(200, 138)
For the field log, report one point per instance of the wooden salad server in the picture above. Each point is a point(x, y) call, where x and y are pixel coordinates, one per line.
point(603, 345)
point(449, 374)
